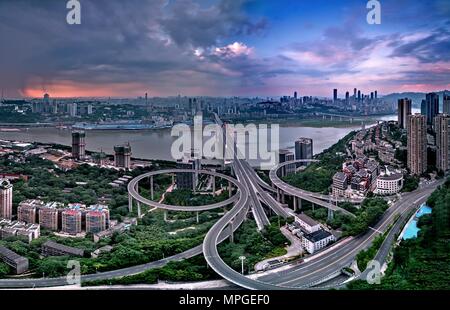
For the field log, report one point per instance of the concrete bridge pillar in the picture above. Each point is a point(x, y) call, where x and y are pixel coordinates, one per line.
point(198, 220)
point(231, 232)
point(230, 189)
point(165, 215)
point(295, 203)
point(330, 214)
point(278, 195)
point(130, 203)
point(214, 185)
point(152, 194)
point(173, 179)
point(283, 198)
point(194, 184)
point(299, 203)
point(313, 205)
point(139, 209)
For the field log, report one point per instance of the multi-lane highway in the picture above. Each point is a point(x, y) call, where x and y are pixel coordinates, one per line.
point(251, 194)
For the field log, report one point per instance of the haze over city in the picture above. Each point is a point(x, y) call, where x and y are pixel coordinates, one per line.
point(222, 48)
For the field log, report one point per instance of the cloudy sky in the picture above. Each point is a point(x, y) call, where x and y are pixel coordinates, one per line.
point(222, 47)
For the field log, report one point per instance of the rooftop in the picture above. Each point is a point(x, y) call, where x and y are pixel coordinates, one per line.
point(7, 253)
point(63, 248)
point(306, 219)
point(317, 235)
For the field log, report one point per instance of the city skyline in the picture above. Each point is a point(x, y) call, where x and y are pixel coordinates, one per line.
point(222, 48)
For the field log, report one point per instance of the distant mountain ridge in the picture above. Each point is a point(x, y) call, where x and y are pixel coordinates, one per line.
point(414, 96)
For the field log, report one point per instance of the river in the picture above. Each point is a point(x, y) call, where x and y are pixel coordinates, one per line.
point(156, 144)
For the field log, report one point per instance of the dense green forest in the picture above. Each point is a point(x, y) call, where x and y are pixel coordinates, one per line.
point(422, 262)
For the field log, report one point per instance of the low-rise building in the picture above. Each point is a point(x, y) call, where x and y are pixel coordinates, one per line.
point(18, 263)
point(390, 182)
point(317, 240)
point(23, 230)
point(340, 184)
point(308, 224)
point(51, 248)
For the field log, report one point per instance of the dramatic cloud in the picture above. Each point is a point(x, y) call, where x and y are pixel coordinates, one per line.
point(218, 47)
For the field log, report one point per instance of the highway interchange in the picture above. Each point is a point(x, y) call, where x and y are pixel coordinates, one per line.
point(252, 195)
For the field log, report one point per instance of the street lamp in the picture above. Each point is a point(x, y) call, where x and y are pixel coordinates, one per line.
point(242, 258)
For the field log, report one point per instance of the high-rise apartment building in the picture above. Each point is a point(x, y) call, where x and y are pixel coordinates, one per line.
point(48, 216)
point(78, 144)
point(97, 219)
point(71, 221)
point(431, 107)
point(6, 194)
point(417, 144)
point(304, 149)
point(28, 210)
point(446, 104)
point(122, 157)
point(441, 126)
point(404, 110)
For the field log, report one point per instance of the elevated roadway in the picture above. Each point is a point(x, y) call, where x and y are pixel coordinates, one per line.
point(299, 193)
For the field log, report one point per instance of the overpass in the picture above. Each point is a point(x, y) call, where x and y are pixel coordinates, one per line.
point(299, 193)
point(133, 192)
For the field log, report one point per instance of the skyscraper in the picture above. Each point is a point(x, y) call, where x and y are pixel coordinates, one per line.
point(371, 96)
point(78, 144)
point(417, 144)
point(446, 104)
point(295, 95)
point(122, 157)
point(376, 94)
point(404, 110)
point(354, 92)
point(347, 97)
point(359, 95)
point(335, 94)
point(441, 126)
point(432, 107)
point(304, 149)
point(6, 194)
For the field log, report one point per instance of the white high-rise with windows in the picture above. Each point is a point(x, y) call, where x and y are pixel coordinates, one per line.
point(6, 194)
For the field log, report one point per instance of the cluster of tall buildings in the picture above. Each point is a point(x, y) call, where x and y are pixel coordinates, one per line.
point(426, 131)
point(122, 153)
point(72, 109)
point(303, 149)
point(72, 219)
